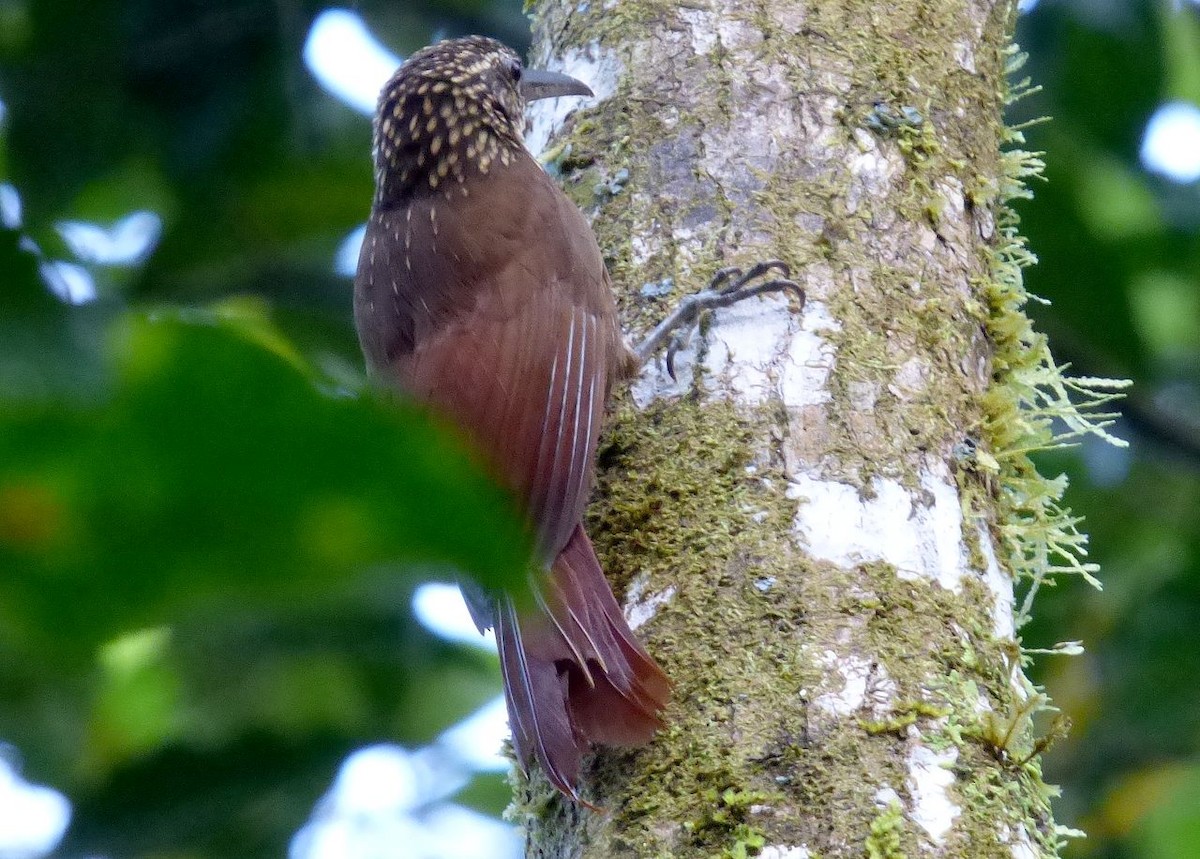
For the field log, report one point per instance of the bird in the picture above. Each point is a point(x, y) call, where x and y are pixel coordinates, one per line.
point(481, 293)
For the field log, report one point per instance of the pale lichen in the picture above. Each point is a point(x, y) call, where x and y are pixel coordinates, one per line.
point(1032, 405)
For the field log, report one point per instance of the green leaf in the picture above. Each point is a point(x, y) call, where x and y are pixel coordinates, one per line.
point(218, 468)
point(1172, 827)
point(49, 349)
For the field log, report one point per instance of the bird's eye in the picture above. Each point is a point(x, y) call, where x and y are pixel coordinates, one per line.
point(514, 69)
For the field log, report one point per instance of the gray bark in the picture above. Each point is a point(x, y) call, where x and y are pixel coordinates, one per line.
point(794, 523)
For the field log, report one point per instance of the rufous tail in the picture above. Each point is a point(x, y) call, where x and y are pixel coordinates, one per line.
point(573, 671)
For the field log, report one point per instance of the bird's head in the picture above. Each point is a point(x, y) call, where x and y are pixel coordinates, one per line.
point(455, 109)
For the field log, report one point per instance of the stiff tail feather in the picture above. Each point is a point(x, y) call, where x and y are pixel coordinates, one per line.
point(573, 671)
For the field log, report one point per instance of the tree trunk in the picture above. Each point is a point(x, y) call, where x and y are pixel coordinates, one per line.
point(809, 525)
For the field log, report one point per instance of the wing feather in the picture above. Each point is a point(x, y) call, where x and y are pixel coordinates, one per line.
point(534, 695)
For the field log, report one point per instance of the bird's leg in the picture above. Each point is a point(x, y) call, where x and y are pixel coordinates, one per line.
point(727, 287)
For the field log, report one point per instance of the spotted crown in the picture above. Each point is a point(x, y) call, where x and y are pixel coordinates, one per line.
point(453, 109)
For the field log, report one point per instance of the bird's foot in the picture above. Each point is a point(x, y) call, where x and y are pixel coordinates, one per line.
point(727, 287)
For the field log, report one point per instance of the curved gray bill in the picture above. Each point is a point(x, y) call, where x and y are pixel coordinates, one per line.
point(537, 84)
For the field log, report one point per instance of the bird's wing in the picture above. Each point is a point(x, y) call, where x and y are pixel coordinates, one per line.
point(513, 339)
point(529, 390)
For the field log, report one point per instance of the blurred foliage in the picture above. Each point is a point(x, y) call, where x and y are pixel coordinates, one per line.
point(210, 527)
point(1119, 251)
point(201, 593)
point(203, 514)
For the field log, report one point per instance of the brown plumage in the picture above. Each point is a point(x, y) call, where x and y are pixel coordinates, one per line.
point(481, 291)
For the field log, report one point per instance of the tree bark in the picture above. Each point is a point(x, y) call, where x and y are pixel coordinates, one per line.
point(803, 525)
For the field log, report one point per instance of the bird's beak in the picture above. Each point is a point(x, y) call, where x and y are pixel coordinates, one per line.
point(536, 84)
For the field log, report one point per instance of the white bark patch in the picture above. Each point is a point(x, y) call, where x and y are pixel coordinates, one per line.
point(919, 533)
point(910, 380)
point(641, 248)
point(999, 583)
point(864, 686)
point(955, 204)
point(597, 67)
point(640, 606)
point(964, 55)
point(929, 781)
point(927, 238)
point(780, 851)
point(885, 796)
point(703, 33)
point(1022, 846)
point(755, 348)
point(863, 395)
point(986, 222)
point(872, 171)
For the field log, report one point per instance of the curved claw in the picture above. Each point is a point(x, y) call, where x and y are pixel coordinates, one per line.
point(727, 287)
point(781, 285)
point(678, 340)
point(756, 271)
point(731, 273)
